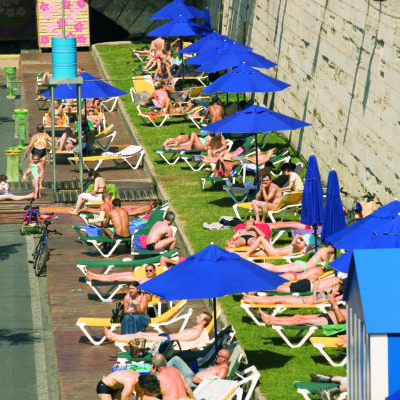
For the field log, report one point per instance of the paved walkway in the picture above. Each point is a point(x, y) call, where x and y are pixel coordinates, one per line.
point(80, 365)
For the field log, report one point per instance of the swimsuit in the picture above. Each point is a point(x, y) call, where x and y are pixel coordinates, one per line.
point(35, 171)
point(324, 264)
point(38, 152)
point(39, 139)
point(151, 246)
point(303, 285)
point(247, 238)
point(102, 388)
point(328, 318)
point(116, 236)
point(303, 265)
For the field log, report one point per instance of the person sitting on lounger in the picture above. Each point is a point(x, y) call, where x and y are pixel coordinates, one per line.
point(320, 289)
point(160, 235)
point(335, 316)
point(266, 199)
point(95, 195)
point(120, 220)
point(202, 320)
point(219, 369)
point(66, 141)
point(321, 258)
point(127, 276)
point(245, 236)
point(159, 98)
point(135, 310)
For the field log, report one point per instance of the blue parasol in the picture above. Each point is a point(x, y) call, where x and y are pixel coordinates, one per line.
point(245, 79)
point(334, 219)
point(233, 57)
point(176, 8)
point(254, 120)
point(211, 273)
point(207, 21)
point(206, 43)
point(209, 52)
point(354, 235)
point(312, 209)
point(179, 27)
point(92, 87)
point(385, 236)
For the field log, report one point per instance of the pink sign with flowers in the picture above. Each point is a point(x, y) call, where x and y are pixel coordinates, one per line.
point(50, 22)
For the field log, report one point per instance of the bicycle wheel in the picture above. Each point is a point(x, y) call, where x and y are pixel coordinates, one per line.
point(40, 258)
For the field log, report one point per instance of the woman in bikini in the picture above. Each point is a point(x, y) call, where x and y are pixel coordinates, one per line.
point(135, 309)
point(246, 236)
point(335, 316)
point(37, 146)
point(95, 195)
point(66, 141)
point(321, 258)
point(320, 289)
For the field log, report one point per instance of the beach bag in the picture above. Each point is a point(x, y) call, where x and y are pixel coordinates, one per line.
point(165, 347)
point(117, 313)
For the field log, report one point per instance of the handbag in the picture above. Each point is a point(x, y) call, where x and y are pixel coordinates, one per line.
point(117, 313)
point(165, 347)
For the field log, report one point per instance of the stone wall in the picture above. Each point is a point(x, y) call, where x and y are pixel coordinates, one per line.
point(342, 58)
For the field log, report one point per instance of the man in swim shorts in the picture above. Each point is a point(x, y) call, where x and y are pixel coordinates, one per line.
point(124, 381)
point(160, 235)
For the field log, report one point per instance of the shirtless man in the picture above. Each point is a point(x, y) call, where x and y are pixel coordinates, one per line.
point(108, 388)
point(266, 199)
point(215, 112)
point(120, 220)
point(216, 146)
point(127, 276)
point(186, 335)
point(321, 258)
point(173, 385)
point(220, 369)
point(160, 235)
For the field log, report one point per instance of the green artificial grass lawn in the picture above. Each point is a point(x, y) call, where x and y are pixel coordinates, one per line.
point(279, 365)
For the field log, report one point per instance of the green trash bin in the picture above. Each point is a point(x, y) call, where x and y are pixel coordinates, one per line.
point(21, 125)
point(14, 167)
point(12, 83)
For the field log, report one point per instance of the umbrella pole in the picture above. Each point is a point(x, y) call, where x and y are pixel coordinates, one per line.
point(315, 226)
point(53, 140)
point(79, 111)
point(257, 177)
point(215, 325)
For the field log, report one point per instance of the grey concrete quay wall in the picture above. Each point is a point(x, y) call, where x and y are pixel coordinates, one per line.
point(342, 58)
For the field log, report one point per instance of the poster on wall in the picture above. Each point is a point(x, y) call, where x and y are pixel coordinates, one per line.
point(76, 21)
point(17, 20)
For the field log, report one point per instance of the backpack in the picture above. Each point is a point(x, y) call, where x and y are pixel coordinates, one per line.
point(117, 313)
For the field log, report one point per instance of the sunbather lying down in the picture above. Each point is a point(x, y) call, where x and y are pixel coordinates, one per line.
point(183, 142)
point(321, 258)
point(186, 335)
point(320, 288)
point(168, 109)
point(335, 316)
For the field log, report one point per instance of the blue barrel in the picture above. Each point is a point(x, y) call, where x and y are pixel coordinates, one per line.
point(64, 57)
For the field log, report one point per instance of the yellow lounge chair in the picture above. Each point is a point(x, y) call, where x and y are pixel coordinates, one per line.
point(322, 343)
point(87, 325)
point(289, 201)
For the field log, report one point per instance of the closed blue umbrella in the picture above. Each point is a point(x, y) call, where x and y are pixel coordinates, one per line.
point(254, 120)
point(177, 8)
point(233, 57)
point(354, 234)
point(92, 87)
point(334, 219)
point(312, 209)
point(211, 273)
point(385, 236)
point(245, 79)
point(207, 21)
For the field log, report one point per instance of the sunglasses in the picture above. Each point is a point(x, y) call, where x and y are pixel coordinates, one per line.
point(149, 270)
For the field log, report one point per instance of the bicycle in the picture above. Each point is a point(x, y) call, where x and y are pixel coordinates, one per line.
point(360, 209)
point(41, 253)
